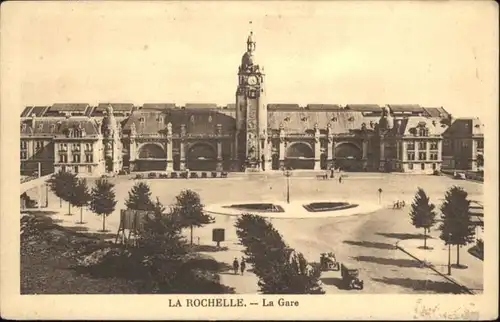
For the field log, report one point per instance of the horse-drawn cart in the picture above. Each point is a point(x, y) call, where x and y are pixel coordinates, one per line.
point(329, 262)
point(350, 277)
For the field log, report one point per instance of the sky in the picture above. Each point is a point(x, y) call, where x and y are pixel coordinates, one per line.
point(432, 53)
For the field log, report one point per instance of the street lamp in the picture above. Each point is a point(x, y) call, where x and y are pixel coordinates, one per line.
point(379, 195)
point(287, 173)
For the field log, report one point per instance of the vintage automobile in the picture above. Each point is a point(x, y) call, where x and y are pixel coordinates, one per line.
point(328, 262)
point(350, 277)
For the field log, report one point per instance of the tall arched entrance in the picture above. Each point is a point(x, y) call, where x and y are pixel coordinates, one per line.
point(152, 157)
point(348, 157)
point(299, 155)
point(201, 157)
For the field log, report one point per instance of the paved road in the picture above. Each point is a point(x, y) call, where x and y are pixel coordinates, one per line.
point(364, 240)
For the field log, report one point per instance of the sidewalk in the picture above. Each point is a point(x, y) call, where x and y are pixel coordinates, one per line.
point(471, 277)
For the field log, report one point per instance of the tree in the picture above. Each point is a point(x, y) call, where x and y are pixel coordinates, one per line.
point(103, 200)
point(139, 197)
point(188, 209)
point(62, 184)
point(422, 213)
point(456, 226)
point(280, 269)
point(68, 182)
point(81, 196)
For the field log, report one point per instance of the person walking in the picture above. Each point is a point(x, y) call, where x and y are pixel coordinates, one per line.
point(340, 179)
point(243, 265)
point(235, 266)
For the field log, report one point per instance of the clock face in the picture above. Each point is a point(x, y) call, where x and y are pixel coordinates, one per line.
point(252, 80)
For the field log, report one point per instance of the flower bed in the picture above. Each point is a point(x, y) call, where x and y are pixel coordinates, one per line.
point(261, 207)
point(328, 206)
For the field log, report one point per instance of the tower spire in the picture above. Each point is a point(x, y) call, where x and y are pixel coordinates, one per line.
point(250, 40)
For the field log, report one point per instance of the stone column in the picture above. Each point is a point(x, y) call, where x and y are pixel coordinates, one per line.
point(182, 148)
point(439, 162)
point(269, 155)
point(317, 148)
point(365, 154)
point(282, 147)
point(169, 148)
point(219, 165)
point(329, 147)
point(382, 155)
point(132, 148)
point(474, 155)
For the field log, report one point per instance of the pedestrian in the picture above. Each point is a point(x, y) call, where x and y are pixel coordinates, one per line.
point(235, 266)
point(332, 172)
point(340, 179)
point(243, 265)
point(187, 173)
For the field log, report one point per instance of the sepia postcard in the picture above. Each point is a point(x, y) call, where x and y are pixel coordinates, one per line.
point(244, 160)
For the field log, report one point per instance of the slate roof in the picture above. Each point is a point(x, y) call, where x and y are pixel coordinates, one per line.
point(118, 107)
point(300, 122)
point(157, 106)
point(401, 108)
point(364, 107)
point(197, 121)
point(38, 111)
point(200, 106)
point(404, 126)
point(283, 107)
point(26, 111)
point(465, 127)
point(56, 126)
point(324, 107)
point(69, 107)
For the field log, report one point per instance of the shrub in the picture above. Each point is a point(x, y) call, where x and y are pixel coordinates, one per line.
point(139, 176)
point(194, 175)
point(174, 175)
point(152, 175)
point(204, 175)
point(214, 174)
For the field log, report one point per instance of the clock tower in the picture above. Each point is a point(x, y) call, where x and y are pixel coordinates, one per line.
point(251, 114)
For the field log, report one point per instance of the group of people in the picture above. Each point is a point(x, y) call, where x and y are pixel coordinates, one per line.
point(239, 265)
point(399, 204)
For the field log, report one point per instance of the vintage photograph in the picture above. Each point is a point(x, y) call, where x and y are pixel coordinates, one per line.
point(313, 150)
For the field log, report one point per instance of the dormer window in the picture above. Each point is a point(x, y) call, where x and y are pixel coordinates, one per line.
point(52, 128)
point(23, 126)
point(160, 119)
point(40, 127)
point(304, 118)
point(351, 118)
point(334, 119)
point(141, 120)
point(287, 119)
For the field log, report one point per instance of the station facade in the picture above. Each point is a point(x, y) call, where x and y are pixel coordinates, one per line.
point(248, 135)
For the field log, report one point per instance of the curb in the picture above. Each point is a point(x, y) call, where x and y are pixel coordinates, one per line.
point(448, 278)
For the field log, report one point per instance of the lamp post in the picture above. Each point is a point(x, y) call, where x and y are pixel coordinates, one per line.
point(287, 174)
point(379, 195)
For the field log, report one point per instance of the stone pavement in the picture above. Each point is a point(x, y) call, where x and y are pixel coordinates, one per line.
point(470, 277)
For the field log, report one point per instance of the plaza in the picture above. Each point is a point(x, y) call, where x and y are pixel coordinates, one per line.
point(365, 239)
